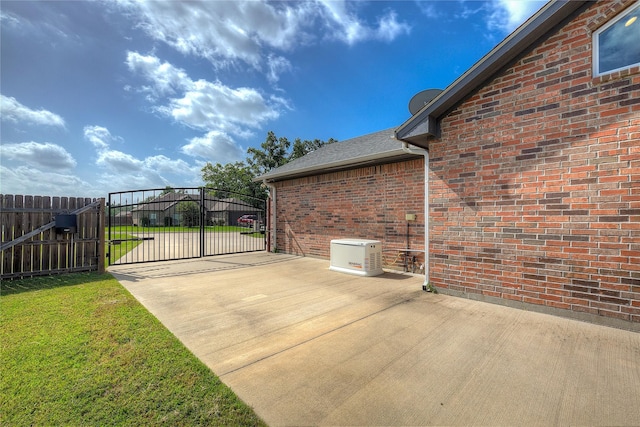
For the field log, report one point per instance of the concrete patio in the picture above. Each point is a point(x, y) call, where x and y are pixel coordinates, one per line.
point(304, 345)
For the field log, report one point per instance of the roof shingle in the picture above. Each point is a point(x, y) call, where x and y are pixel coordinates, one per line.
point(377, 147)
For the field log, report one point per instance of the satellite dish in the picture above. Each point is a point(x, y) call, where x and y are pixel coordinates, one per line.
point(421, 99)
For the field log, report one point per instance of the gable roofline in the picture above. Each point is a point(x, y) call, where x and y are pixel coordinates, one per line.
point(228, 204)
point(366, 150)
point(167, 201)
point(163, 202)
point(425, 123)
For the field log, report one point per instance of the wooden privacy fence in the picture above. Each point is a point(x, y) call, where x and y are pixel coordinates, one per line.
point(33, 245)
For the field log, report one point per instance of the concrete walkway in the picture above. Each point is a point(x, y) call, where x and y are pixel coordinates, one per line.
point(305, 346)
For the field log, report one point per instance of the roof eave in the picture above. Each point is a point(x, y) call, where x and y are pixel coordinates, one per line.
point(424, 125)
point(377, 158)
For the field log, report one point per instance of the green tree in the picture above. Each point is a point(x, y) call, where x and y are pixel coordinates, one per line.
point(190, 213)
point(238, 177)
point(168, 189)
point(273, 153)
point(233, 177)
point(301, 148)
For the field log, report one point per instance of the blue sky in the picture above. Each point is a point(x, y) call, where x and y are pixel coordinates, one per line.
point(121, 95)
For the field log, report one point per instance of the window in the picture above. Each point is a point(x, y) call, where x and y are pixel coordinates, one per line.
point(616, 45)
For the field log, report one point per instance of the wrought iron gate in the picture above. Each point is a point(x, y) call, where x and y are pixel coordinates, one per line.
point(181, 223)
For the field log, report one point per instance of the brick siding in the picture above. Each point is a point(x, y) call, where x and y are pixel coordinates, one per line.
point(367, 203)
point(535, 182)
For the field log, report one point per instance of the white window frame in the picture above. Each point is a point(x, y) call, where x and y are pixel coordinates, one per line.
point(596, 43)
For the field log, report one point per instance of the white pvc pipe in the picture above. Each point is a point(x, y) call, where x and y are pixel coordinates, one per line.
point(425, 153)
point(272, 191)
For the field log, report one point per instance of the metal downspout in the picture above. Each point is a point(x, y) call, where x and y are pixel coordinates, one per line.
point(425, 153)
point(272, 191)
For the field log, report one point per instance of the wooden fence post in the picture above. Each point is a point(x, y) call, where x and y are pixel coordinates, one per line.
point(101, 238)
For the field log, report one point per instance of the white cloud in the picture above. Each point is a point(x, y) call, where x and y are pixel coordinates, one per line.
point(202, 104)
point(27, 180)
point(13, 111)
point(166, 79)
point(250, 31)
point(114, 161)
point(507, 15)
point(211, 105)
point(122, 170)
point(132, 181)
point(215, 146)
point(99, 136)
point(345, 25)
point(428, 9)
point(350, 30)
point(44, 24)
point(39, 155)
point(389, 28)
point(164, 164)
point(46, 168)
point(118, 162)
point(221, 32)
point(9, 19)
point(277, 65)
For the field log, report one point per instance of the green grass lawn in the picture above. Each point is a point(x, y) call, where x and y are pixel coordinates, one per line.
point(80, 350)
point(121, 248)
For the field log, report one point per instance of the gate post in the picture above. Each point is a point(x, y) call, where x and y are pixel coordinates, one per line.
point(203, 216)
point(101, 241)
point(109, 225)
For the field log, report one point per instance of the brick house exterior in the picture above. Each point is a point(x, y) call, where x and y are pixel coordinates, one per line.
point(367, 203)
point(360, 188)
point(534, 177)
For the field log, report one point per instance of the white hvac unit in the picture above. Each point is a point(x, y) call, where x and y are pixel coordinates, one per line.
point(356, 256)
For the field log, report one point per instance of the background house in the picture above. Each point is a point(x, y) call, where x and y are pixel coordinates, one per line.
point(161, 210)
point(227, 211)
point(534, 173)
point(164, 210)
point(122, 218)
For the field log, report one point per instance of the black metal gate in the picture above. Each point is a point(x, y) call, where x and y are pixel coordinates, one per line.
point(181, 223)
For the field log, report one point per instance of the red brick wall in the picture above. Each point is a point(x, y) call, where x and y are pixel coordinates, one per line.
point(535, 182)
point(367, 203)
